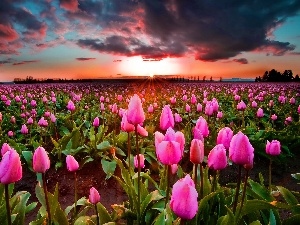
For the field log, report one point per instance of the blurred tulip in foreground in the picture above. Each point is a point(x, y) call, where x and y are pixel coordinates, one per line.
point(184, 198)
point(10, 167)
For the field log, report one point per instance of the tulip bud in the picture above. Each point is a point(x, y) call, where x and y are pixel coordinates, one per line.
point(94, 196)
point(72, 164)
point(142, 161)
point(10, 167)
point(273, 147)
point(135, 112)
point(196, 151)
point(217, 159)
point(40, 160)
point(184, 198)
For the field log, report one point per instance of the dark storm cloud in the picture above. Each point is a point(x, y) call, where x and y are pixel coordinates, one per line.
point(84, 59)
point(208, 30)
point(24, 62)
point(241, 61)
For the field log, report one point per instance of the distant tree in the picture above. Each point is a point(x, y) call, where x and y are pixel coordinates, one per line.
point(297, 78)
point(275, 76)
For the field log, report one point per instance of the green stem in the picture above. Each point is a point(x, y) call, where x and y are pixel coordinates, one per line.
point(97, 214)
point(202, 181)
point(237, 188)
point(139, 175)
point(215, 178)
point(46, 197)
point(129, 151)
point(182, 222)
point(75, 193)
point(7, 205)
point(168, 170)
point(244, 189)
point(195, 174)
point(270, 175)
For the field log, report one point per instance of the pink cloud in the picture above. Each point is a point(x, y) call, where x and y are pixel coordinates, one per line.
point(8, 33)
point(69, 5)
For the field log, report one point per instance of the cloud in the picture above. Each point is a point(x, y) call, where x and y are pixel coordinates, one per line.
point(152, 29)
point(84, 59)
point(24, 62)
point(69, 5)
point(241, 60)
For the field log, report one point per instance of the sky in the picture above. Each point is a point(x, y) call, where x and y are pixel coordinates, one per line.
point(78, 39)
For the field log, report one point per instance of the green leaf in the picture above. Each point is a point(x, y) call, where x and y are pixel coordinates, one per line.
point(261, 191)
point(108, 167)
point(152, 197)
point(290, 199)
point(103, 145)
point(227, 219)
point(256, 222)
point(84, 220)
point(28, 158)
point(296, 176)
point(251, 206)
point(293, 220)
point(103, 214)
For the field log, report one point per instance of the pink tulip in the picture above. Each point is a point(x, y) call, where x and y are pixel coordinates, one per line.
point(196, 151)
point(169, 148)
point(184, 98)
point(10, 133)
point(219, 115)
point(30, 121)
point(52, 118)
point(173, 100)
point(24, 129)
point(193, 99)
point(241, 151)
point(254, 104)
point(273, 147)
point(209, 108)
point(166, 118)
point(197, 134)
point(292, 100)
point(101, 98)
point(215, 105)
point(10, 167)
point(260, 113)
point(271, 103)
point(5, 148)
point(33, 103)
point(224, 137)
point(142, 131)
point(42, 122)
point(40, 160)
point(187, 108)
point(72, 164)
point(201, 124)
point(298, 110)
point(114, 108)
point(174, 168)
point(199, 107)
point(241, 106)
point(12, 119)
point(94, 196)
point(184, 198)
point(274, 117)
point(177, 118)
point(150, 108)
point(288, 120)
point(135, 112)
point(96, 122)
point(142, 161)
point(217, 159)
point(125, 126)
point(71, 106)
point(102, 108)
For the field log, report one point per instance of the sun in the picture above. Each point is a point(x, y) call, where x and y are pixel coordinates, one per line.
point(151, 75)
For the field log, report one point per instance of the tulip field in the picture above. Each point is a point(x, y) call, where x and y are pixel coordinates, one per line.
point(167, 146)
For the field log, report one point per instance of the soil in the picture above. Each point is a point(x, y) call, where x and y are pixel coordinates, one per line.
point(92, 175)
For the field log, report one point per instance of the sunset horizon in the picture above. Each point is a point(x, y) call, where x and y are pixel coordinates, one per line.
point(76, 39)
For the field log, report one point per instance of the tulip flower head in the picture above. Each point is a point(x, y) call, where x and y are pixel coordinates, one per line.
point(217, 159)
point(142, 161)
point(96, 122)
point(24, 129)
point(241, 106)
point(135, 112)
point(274, 117)
point(40, 160)
point(260, 113)
point(224, 137)
point(5, 148)
point(202, 125)
point(72, 164)
point(166, 118)
point(241, 151)
point(196, 151)
point(125, 126)
point(184, 198)
point(71, 106)
point(273, 147)
point(10, 167)
point(94, 196)
point(169, 147)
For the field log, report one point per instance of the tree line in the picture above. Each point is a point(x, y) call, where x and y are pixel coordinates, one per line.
point(275, 76)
